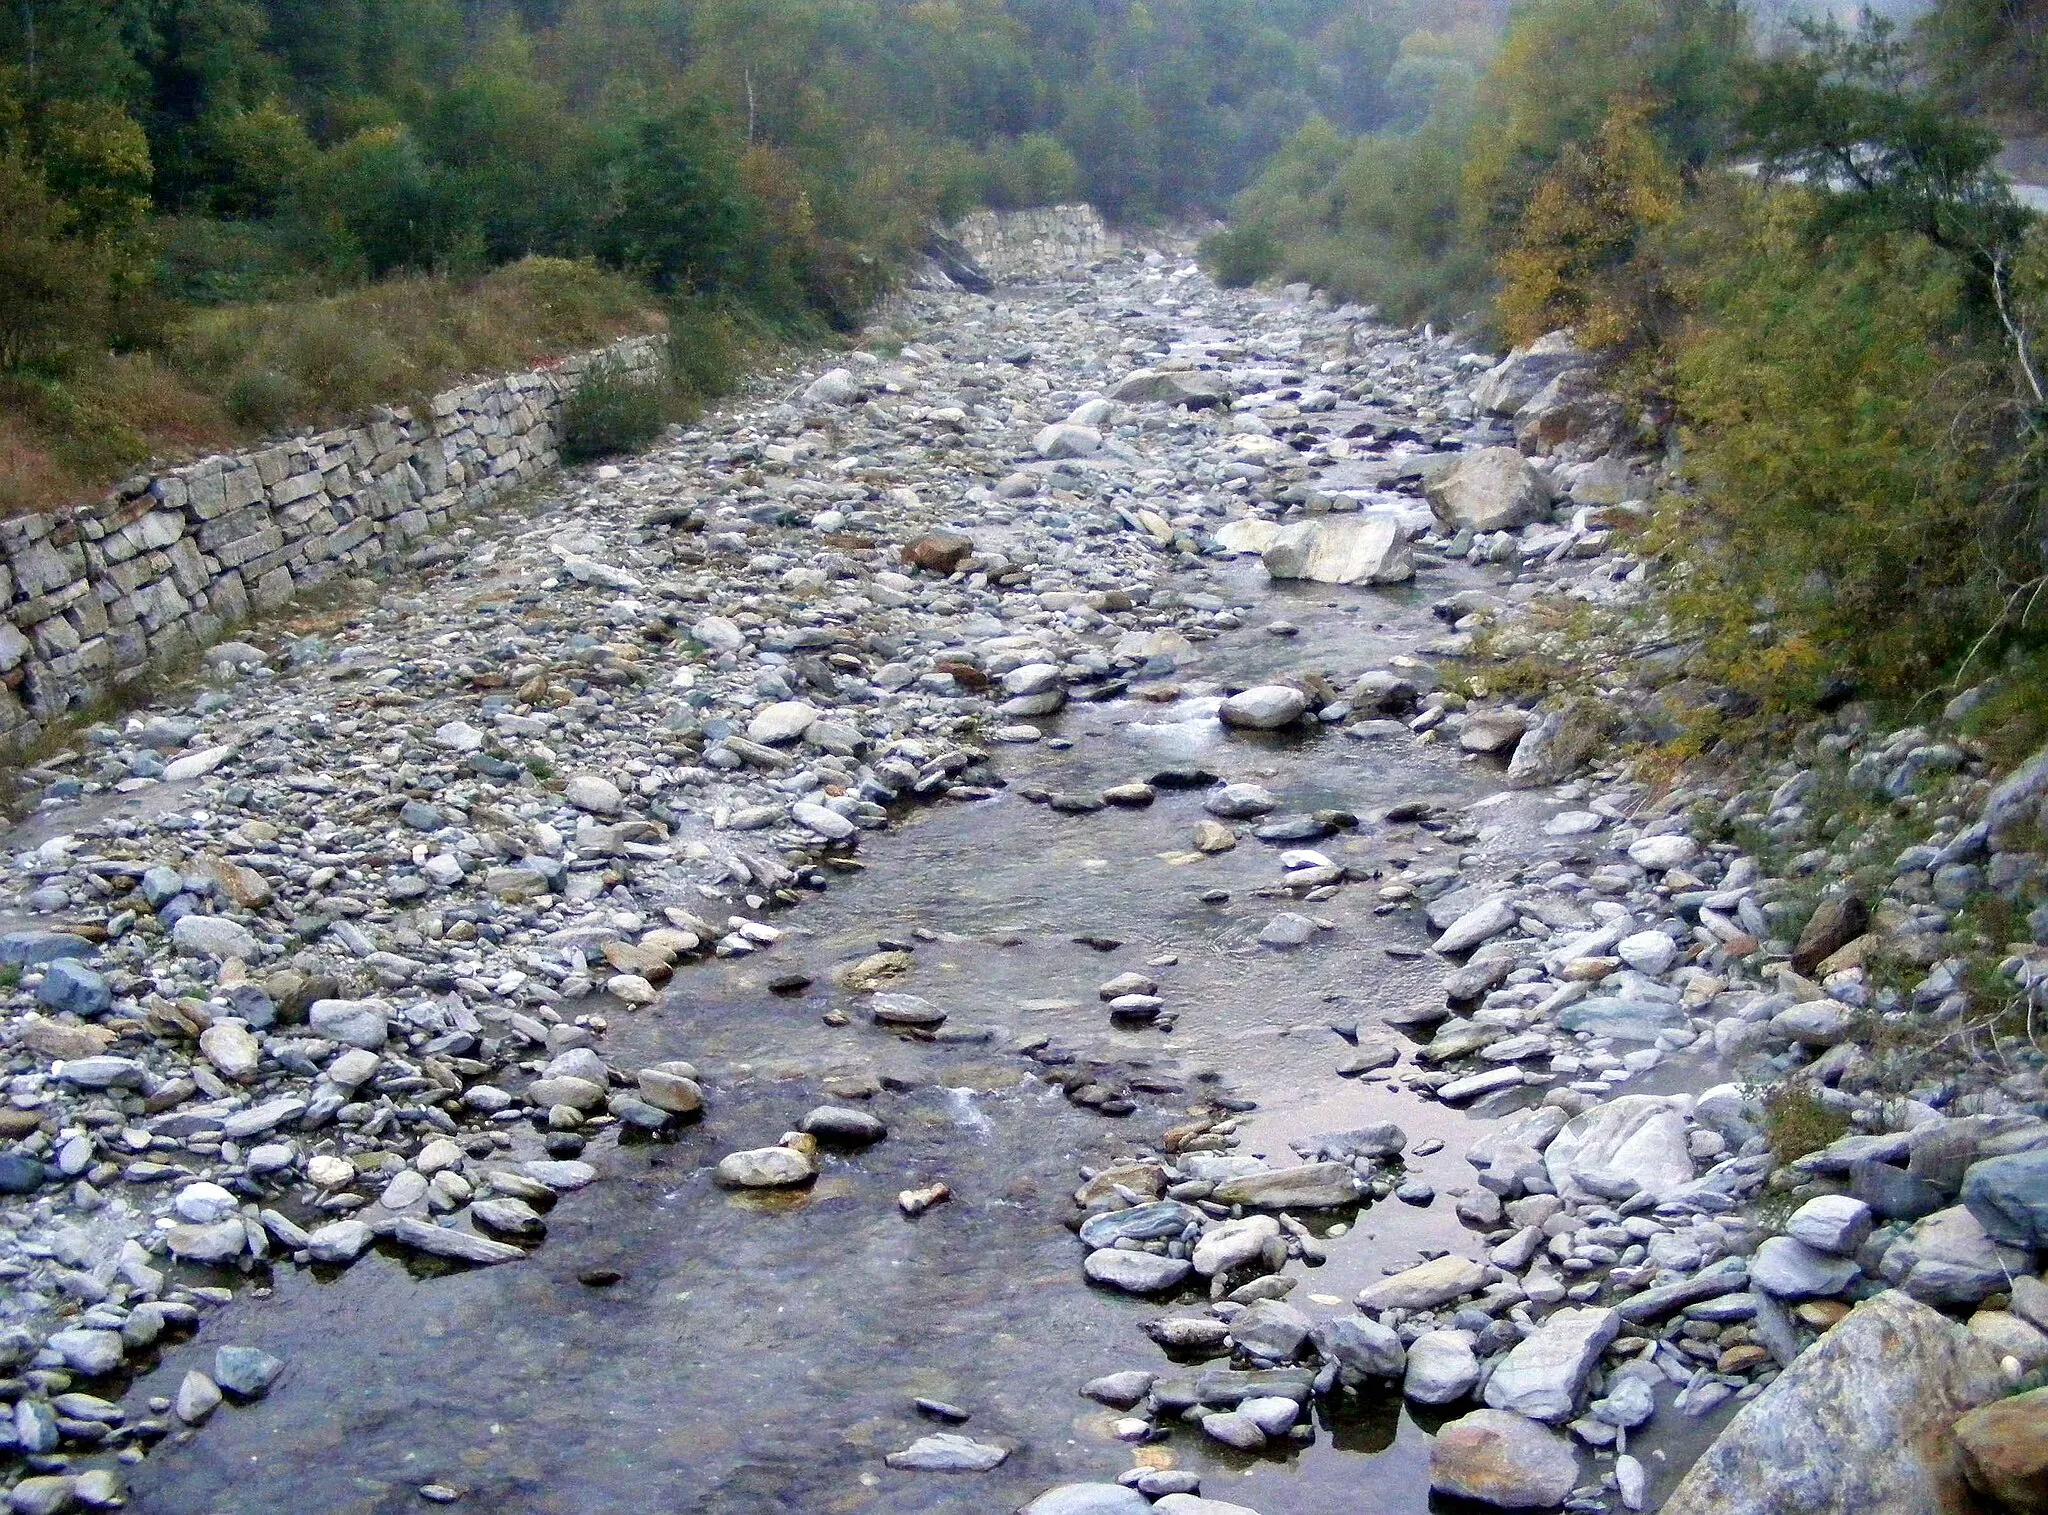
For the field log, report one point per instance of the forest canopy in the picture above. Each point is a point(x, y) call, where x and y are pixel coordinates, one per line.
point(168, 164)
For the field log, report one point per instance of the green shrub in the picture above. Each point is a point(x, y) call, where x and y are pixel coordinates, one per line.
point(1242, 254)
point(1796, 1122)
point(612, 411)
point(1373, 219)
point(1036, 169)
point(703, 351)
point(1842, 426)
point(53, 285)
point(262, 399)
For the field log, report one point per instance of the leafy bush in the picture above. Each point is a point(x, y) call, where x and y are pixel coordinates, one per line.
point(262, 399)
point(1375, 219)
point(1845, 459)
point(611, 411)
point(203, 261)
point(676, 213)
point(1036, 169)
point(1243, 254)
point(1796, 1122)
point(703, 351)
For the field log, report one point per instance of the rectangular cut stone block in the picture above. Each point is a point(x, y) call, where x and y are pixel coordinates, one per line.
point(274, 589)
point(87, 615)
point(272, 464)
point(242, 487)
point(234, 554)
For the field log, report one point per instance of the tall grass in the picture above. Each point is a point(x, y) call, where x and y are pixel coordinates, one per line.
point(226, 376)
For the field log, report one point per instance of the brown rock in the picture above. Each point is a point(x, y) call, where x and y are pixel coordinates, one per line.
point(964, 673)
point(1839, 920)
point(1851, 954)
point(2004, 1447)
point(639, 959)
point(1821, 1314)
point(938, 551)
point(1503, 1459)
point(1148, 1179)
point(57, 1039)
point(1742, 1359)
point(872, 971)
point(15, 1123)
point(245, 886)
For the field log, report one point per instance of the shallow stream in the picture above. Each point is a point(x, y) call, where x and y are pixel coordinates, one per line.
point(761, 1354)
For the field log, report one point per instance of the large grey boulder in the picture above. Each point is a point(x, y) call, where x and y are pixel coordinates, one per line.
point(835, 386)
point(1544, 1375)
point(1858, 1425)
point(1561, 742)
point(364, 1023)
point(1482, 923)
point(1442, 1367)
point(1523, 374)
point(1571, 408)
point(1634, 1144)
point(1833, 1223)
point(1492, 489)
point(1425, 1286)
point(1272, 1329)
point(1134, 1272)
point(2009, 1197)
point(1148, 386)
point(947, 1452)
point(1089, 1499)
point(1361, 1349)
point(1790, 1269)
point(765, 1168)
point(1346, 549)
point(213, 936)
point(1310, 1186)
point(1229, 1246)
point(1063, 439)
point(1161, 1220)
point(1263, 707)
point(1948, 1259)
point(1247, 534)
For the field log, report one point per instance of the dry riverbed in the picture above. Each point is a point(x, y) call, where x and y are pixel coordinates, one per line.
point(939, 942)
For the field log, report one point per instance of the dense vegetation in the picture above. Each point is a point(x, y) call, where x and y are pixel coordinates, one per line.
point(776, 158)
point(1844, 334)
point(1992, 55)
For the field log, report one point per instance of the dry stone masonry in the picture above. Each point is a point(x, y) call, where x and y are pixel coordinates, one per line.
point(100, 594)
point(1036, 244)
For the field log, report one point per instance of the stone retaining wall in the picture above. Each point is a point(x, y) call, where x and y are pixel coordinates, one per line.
point(100, 594)
point(1028, 244)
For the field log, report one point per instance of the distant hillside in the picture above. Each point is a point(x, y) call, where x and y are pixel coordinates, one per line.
point(1991, 56)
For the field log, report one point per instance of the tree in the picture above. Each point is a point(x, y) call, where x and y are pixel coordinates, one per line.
point(1989, 54)
point(53, 285)
point(674, 210)
point(1843, 113)
point(1579, 257)
point(1109, 132)
point(385, 206)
